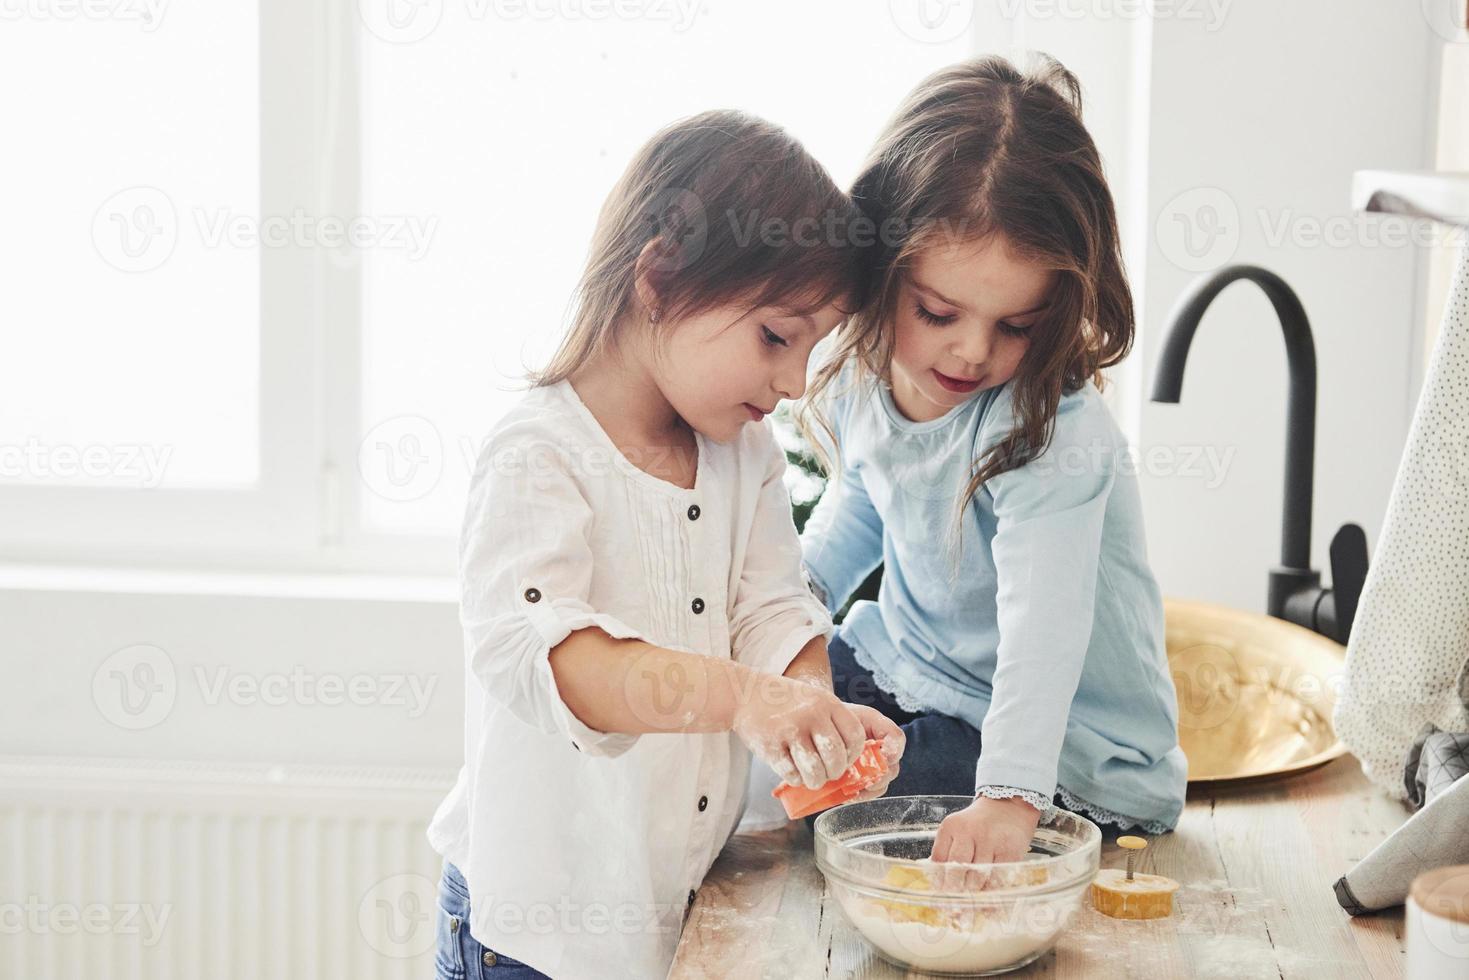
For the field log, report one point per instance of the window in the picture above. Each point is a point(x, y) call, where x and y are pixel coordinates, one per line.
point(286, 261)
point(504, 134)
point(134, 360)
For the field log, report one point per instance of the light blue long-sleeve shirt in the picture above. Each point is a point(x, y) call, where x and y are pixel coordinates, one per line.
point(1045, 631)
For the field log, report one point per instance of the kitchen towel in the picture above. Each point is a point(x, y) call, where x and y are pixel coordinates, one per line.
point(1435, 836)
point(1436, 760)
point(1407, 654)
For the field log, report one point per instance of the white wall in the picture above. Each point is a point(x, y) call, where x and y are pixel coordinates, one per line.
point(251, 674)
point(1277, 109)
point(1265, 108)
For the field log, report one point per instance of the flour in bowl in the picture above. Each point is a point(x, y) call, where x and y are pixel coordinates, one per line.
point(947, 937)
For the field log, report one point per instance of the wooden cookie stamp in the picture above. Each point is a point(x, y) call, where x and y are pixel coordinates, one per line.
point(1128, 895)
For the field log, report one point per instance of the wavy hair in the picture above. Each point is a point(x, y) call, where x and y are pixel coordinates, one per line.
point(981, 148)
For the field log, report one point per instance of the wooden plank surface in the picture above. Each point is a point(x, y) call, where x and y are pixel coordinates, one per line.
point(1256, 863)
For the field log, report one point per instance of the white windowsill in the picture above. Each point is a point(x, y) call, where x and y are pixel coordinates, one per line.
point(350, 586)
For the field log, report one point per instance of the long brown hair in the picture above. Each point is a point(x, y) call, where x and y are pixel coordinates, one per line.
point(978, 149)
point(738, 213)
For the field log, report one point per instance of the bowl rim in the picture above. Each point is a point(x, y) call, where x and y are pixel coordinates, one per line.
point(1087, 852)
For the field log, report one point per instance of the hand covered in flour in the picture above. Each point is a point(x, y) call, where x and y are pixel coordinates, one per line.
point(986, 831)
point(801, 730)
point(878, 725)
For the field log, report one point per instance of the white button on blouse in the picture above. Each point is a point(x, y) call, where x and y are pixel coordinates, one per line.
point(581, 848)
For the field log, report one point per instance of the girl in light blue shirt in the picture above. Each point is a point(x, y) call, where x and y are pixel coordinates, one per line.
point(1018, 634)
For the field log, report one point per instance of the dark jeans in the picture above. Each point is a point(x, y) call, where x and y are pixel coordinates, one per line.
point(942, 751)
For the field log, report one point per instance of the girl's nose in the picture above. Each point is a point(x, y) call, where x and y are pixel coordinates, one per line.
point(791, 383)
point(975, 348)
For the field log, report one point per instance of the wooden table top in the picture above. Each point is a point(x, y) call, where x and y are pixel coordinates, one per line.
point(1256, 863)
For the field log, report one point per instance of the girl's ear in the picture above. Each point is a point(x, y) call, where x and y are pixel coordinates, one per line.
point(644, 277)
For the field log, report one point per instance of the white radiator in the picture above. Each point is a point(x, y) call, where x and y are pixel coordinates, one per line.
point(142, 871)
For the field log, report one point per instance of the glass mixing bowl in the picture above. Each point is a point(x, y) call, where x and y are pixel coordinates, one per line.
point(948, 918)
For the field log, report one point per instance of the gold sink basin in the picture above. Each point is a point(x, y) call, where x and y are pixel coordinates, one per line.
point(1255, 693)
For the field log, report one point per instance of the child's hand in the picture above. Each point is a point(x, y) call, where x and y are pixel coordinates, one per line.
point(878, 725)
point(804, 732)
point(984, 832)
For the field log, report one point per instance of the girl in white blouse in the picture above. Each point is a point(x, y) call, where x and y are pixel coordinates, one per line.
point(634, 613)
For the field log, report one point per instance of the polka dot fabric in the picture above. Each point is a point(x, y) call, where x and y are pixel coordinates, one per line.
point(1409, 648)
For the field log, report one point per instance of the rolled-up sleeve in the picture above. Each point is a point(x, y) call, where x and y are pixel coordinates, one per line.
point(774, 613)
point(525, 575)
point(1047, 551)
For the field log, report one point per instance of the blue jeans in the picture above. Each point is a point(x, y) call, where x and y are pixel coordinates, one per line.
point(459, 956)
point(942, 751)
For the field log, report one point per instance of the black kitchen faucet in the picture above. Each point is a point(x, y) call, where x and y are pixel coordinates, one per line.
point(1295, 593)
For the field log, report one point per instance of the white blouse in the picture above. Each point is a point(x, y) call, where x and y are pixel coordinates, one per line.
point(583, 849)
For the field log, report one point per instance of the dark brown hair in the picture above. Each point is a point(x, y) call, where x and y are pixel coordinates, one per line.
point(979, 149)
point(739, 213)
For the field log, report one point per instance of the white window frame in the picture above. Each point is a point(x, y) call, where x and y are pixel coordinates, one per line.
point(299, 515)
